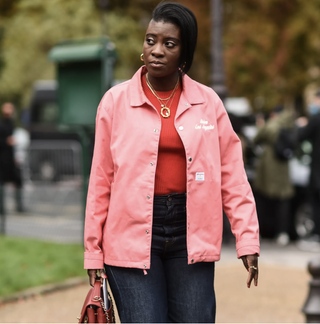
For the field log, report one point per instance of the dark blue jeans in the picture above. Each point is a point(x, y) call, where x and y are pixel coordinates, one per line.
point(172, 290)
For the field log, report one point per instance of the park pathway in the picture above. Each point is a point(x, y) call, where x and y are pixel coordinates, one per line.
point(282, 291)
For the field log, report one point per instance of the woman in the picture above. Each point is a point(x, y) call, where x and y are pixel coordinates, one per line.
point(165, 160)
point(9, 168)
point(309, 129)
point(272, 184)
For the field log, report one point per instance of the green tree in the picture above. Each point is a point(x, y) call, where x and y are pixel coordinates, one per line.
point(32, 27)
point(128, 36)
point(29, 34)
point(271, 48)
point(7, 9)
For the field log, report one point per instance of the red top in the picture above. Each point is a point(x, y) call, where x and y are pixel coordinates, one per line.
point(171, 167)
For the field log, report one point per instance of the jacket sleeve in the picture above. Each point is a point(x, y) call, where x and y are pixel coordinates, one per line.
point(237, 197)
point(100, 181)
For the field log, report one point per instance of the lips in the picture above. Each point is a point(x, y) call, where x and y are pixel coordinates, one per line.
point(156, 64)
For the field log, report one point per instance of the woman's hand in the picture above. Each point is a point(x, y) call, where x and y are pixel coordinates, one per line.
point(251, 264)
point(94, 274)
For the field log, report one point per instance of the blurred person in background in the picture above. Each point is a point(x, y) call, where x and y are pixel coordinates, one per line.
point(310, 130)
point(9, 168)
point(166, 161)
point(272, 184)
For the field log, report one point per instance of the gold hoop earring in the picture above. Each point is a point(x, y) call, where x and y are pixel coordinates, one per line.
point(184, 65)
point(141, 57)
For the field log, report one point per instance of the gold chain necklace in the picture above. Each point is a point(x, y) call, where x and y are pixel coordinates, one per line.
point(165, 110)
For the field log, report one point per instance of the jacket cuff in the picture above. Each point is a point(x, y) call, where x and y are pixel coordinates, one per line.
point(248, 248)
point(93, 260)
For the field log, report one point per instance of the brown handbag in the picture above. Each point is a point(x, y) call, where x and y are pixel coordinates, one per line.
point(94, 310)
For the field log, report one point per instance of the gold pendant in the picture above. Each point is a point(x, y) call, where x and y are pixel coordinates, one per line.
point(165, 112)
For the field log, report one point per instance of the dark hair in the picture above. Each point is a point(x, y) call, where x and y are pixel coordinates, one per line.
point(183, 17)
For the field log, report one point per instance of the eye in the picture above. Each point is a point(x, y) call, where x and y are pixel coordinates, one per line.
point(150, 40)
point(170, 44)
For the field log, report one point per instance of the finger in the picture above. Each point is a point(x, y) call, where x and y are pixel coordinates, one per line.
point(103, 274)
point(252, 263)
point(245, 262)
point(250, 278)
point(92, 276)
point(256, 278)
point(253, 275)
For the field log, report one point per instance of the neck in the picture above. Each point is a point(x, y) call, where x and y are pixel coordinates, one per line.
point(166, 83)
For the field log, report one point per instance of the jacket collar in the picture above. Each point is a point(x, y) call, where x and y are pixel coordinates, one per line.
point(190, 91)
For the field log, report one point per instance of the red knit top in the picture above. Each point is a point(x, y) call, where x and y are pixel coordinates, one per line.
point(171, 174)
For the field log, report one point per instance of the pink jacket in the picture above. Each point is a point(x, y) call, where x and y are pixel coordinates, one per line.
point(118, 225)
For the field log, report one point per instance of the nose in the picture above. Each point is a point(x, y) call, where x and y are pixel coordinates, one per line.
point(157, 50)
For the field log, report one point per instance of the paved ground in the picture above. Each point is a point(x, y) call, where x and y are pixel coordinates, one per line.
point(53, 212)
point(282, 291)
point(60, 229)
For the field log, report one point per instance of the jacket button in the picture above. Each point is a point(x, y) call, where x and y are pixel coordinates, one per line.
point(144, 266)
point(151, 163)
point(192, 260)
point(180, 127)
point(148, 197)
point(155, 130)
point(147, 231)
point(190, 159)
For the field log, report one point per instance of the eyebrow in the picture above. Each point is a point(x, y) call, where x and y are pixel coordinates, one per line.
point(169, 37)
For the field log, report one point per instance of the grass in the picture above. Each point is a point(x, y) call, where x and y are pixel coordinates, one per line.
point(26, 263)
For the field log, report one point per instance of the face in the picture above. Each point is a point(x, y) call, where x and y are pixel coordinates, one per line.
point(162, 49)
point(317, 100)
point(7, 110)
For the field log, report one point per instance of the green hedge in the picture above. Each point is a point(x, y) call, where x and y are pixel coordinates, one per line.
point(26, 263)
